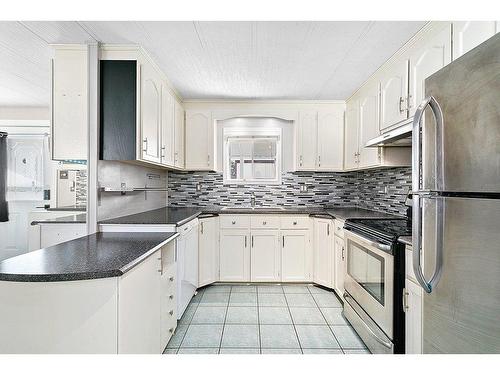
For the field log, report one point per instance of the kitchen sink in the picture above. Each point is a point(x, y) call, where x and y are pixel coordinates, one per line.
point(260, 208)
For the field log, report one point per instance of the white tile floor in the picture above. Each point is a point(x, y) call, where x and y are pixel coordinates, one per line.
point(264, 319)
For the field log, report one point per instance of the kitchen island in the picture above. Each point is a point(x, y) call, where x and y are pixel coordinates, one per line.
point(88, 296)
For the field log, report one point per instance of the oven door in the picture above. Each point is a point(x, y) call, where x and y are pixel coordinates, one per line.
point(370, 278)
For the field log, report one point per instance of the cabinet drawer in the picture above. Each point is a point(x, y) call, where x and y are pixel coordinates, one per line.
point(265, 222)
point(339, 228)
point(295, 222)
point(231, 221)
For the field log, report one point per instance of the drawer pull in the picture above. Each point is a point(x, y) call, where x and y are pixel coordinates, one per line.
point(233, 222)
point(171, 278)
point(171, 296)
point(171, 330)
point(294, 223)
point(264, 222)
point(171, 312)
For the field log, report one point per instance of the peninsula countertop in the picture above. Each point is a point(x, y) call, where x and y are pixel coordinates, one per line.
point(94, 256)
point(174, 215)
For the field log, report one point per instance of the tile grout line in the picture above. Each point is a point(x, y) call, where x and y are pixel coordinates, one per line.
point(293, 323)
point(188, 325)
point(258, 319)
point(225, 317)
point(330, 328)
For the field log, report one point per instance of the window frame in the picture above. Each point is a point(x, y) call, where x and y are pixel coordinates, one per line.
point(253, 134)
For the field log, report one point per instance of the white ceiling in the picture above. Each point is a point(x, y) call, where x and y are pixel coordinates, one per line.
point(214, 60)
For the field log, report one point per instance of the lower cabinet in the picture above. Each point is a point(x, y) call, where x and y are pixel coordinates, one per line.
point(323, 252)
point(139, 323)
point(168, 300)
point(265, 259)
point(296, 256)
point(234, 255)
point(339, 265)
point(208, 250)
point(413, 304)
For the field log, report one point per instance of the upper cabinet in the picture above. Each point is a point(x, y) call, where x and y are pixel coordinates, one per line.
point(199, 140)
point(426, 59)
point(70, 102)
point(469, 34)
point(369, 106)
point(320, 140)
point(393, 94)
point(141, 120)
point(351, 134)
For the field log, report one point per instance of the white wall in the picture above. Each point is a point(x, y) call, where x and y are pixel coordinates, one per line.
point(24, 113)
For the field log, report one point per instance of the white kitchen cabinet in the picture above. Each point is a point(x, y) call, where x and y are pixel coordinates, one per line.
point(413, 303)
point(469, 34)
point(296, 256)
point(369, 106)
point(330, 140)
point(70, 102)
point(265, 259)
point(167, 127)
point(425, 60)
point(208, 250)
point(351, 143)
point(187, 264)
point(323, 251)
point(393, 94)
point(168, 310)
point(139, 306)
point(199, 141)
point(179, 135)
point(307, 140)
point(53, 234)
point(150, 111)
point(320, 140)
point(339, 265)
point(234, 255)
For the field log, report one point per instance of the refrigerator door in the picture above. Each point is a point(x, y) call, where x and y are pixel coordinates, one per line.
point(462, 313)
point(468, 93)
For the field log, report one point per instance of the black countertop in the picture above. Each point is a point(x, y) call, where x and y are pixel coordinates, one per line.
point(69, 219)
point(181, 215)
point(94, 256)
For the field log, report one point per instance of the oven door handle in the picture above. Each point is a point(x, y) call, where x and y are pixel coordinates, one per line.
point(388, 345)
point(378, 245)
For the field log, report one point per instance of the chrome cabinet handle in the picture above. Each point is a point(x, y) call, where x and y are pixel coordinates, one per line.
point(171, 296)
point(145, 144)
point(171, 278)
point(208, 160)
point(171, 312)
point(245, 241)
point(300, 160)
point(283, 241)
point(401, 102)
point(419, 195)
point(252, 242)
point(171, 330)
point(264, 222)
point(405, 300)
point(368, 328)
point(343, 252)
point(319, 161)
point(328, 230)
point(294, 223)
point(163, 152)
point(201, 228)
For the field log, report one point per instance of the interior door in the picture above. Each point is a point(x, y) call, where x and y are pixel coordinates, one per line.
point(461, 314)
point(393, 95)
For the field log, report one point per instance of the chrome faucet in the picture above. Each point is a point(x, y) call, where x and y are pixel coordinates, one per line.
point(252, 199)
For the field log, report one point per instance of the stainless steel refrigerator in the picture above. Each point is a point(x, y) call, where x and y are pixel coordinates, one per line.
point(456, 204)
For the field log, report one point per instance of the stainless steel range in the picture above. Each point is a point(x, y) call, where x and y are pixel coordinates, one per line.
point(374, 281)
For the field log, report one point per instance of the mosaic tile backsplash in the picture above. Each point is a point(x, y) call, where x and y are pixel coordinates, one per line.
point(381, 189)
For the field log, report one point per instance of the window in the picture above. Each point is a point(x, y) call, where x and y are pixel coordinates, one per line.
point(252, 157)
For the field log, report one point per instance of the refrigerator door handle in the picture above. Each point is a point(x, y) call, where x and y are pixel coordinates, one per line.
point(428, 286)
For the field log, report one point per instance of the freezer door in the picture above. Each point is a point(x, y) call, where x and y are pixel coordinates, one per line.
point(468, 92)
point(462, 313)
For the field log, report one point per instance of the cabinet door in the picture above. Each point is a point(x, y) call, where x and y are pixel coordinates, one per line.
point(351, 135)
point(469, 34)
point(179, 135)
point(167, 127)
point(296, 256)
point(208, 251)
point(393, 94)
point(323, 252)
point(414, 306)
point(70, 104)
point(234, 255)
point(139, 325)
point(330, 140)
point(265, 255)
point(150, 114)
point(369, 126)
point(199, 140)
point(425, 61)
point(339, 265)
point(307, 141)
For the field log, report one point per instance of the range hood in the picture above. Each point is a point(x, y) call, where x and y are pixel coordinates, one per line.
point(399, 136)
